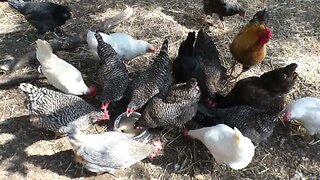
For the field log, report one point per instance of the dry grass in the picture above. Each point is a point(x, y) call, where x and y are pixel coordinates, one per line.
point(33, 154)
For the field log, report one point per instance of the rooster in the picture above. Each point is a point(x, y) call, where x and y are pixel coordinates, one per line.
point(307, 111)
point(113, 75)
point(61, 74)
point(125, 45)
point(249, 46)
point(226, 145)
point(178, 106)
point(154, 80)
point(44, 16)
point(222, 8)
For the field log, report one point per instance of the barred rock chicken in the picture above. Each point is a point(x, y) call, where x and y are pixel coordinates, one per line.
point(61, 74)
point(44, 16)
point(201, 62)
point(54, 111)
point(108, 151)
point(253, 123)
point(222, 8)
point(154, 80)
point(113, 75)
point(259, 92)
point(227, 145)
point(177, 107)
point(249, 46)
point(125, 45)
point(307, 111)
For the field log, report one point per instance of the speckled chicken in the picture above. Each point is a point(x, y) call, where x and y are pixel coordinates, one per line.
point(261, 92)
point(113, 75)
point(155, 79)
point(54, 111)
point(108, 151)
point(253, 123)
point(177, 107)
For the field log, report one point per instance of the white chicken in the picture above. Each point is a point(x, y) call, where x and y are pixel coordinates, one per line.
point(108, 151)
point(61, 74)
point(307, 111)
point(125, 45)
point(227, 145)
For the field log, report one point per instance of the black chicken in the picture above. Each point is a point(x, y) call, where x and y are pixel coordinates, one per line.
point(156, 79)
point(44, 16)
point(222, 8)
point(201, 62)
point(113, 75)
point(178, 106)
point(252, 123)
point(261, 92)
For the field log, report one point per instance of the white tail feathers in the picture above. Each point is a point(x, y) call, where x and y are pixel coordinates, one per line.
point(26, 87)
point(238, 135)
point(44, 50)
point(91, 40)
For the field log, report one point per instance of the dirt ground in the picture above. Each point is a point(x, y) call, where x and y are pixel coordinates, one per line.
point(30, 153)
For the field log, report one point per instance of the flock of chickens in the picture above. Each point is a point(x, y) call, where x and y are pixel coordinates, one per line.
point(168, 93)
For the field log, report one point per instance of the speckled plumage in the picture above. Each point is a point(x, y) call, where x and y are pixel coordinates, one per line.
point(55, 111)
point(175, 108)
point(252, 123)
point(108, 151)
point(156, 79)
point(113, 74)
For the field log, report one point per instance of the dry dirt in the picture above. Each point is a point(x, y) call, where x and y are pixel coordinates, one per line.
point(27, 152)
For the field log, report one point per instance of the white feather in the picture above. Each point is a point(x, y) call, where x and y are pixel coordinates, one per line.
point(307, 111)
point(227, 145)
point(59, 73)
point(125, 45)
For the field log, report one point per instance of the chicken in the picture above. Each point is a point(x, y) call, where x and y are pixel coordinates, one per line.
point(226, 145)
point(44, 16)
point(113, 75)
point(249, 46)
point(54, 111)
point(154, 80)
point(253, 123)
point(177, 107)
point(307, 111)
point(108, 151)
point(201, 62)
point(259, 92)
point(222, 8)
point(125, 45)
point(185, 65)
point(61, 74)
point(210, 64)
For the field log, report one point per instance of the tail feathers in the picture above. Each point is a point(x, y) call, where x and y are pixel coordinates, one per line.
point(44, 50)
point(164, 48)
point(17, 4)
point(98, 37)
point(186, 46)
point(91, 40)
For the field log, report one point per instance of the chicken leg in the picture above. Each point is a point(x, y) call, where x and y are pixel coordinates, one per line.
point(104, 107)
